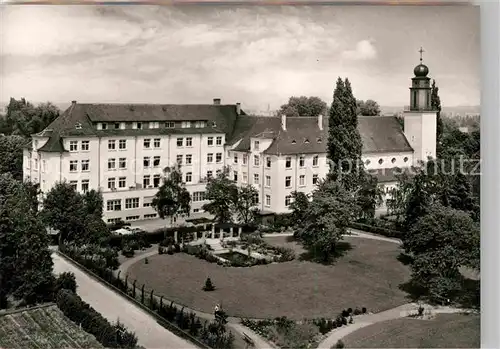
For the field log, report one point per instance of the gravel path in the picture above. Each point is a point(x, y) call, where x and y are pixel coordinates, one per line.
point(113, 307)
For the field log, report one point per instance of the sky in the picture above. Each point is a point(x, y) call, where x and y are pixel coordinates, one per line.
point(256, 55)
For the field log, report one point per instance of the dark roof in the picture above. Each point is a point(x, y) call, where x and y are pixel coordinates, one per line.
point(302, 135)
point(386, 175)
point(382, 134)
point(53, 145)
point(253, 126)
point(85, 115)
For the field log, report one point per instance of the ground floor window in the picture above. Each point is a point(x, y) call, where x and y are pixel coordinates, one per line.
point(113, 220)
point(150, 216)
point(132, 218)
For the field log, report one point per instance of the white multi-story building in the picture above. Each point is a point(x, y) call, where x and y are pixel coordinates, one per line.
point(123, 149)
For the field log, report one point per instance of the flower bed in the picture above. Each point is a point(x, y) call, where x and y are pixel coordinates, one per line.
point(286, 333)
point(250, 251)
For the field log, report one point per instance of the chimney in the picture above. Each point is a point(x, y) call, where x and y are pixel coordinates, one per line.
point(73, 102)
point(283, 122)
point(320, 121)
point(238, 108)
point(216, 101)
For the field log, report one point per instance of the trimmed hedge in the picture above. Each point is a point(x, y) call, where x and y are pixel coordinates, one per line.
point(390, 233)
point(201, 332)
point(110, 336)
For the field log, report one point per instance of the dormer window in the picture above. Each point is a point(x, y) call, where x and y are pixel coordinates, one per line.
point(293, 142)
point(214, 124)
point(137, 125)
point(117, 125)
point(78, 126)
point(319, 140)
point(102, 126)
point(306, 141)
point(170, 124)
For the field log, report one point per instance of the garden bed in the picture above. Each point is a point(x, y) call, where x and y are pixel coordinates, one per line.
point(307, 333)
point(236, 257)
point(43, 327)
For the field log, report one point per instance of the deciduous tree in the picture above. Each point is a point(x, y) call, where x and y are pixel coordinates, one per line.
point(245, 204)
point(441, 242)
point(369, 197)
point(327, 219)
point(24, 119)
point(25, 260)
point(367, 108)
point(11, 155)
point(303, 106)
point(222, 193)
point(172, 199)
point(299, 206)
point(64, 210)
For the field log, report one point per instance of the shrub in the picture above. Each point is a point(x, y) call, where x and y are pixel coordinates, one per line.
point(65, 281)
point(363, 310)
point(177, 248)
point(94, 323)
point(356, 311)
point(160, 250)
point(208, 285)
point(167, 242)
point(170, 250)
point(377, 230)
point(349, 311)
point(128, 251)
point(339, 344)
point(345, 313)
point(344, 321)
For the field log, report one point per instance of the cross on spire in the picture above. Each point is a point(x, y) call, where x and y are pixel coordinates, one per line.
point(421, 51)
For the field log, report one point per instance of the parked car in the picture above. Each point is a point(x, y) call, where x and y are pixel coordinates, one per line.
point(127, 231)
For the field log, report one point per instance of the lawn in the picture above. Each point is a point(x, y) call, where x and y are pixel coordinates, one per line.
point(444, 331)
point(46, 328)
point(368, 275)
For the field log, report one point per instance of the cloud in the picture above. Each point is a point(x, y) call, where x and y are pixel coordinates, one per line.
point(364, 51)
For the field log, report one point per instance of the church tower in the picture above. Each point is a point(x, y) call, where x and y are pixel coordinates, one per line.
point(420, 121)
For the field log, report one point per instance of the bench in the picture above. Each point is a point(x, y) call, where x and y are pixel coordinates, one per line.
point(249, 341)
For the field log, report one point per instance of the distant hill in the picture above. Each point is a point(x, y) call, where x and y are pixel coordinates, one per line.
point(460, 109)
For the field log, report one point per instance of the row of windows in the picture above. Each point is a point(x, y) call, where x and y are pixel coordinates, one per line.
point(152, 125)
point(84, 185)
point(381, 161)
point(84, 145)
point(267, 183)
point(288, 160)
point(131, 203)
point(73, 165)
point(148, 143)
point(132, 218)
point(288, 200)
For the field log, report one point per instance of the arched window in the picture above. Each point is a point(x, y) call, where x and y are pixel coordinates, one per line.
point(393, 160)
point(381, 161)
point(405, 159)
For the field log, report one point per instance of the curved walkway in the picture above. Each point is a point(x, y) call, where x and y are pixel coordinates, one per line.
point(114, 307)
point(402, 311)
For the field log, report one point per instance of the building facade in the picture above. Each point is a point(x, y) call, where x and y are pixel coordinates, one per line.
point(122, 150)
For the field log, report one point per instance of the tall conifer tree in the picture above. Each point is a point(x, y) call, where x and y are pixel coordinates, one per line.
point(436, 105)
point(344, 140)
